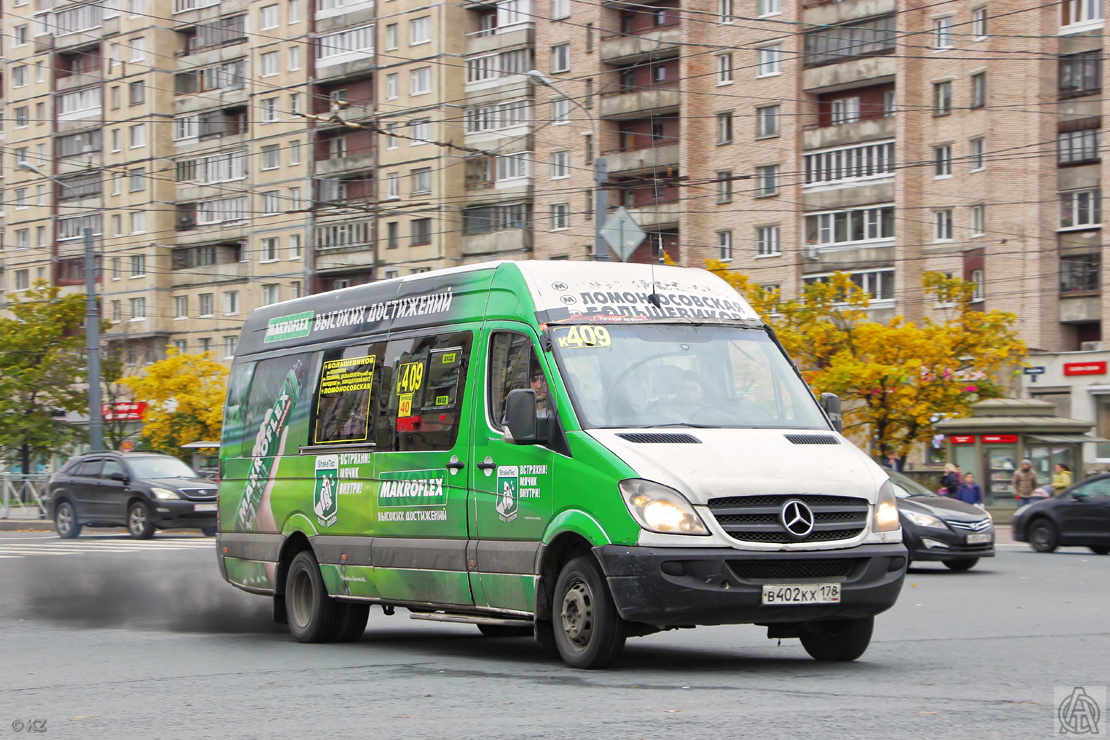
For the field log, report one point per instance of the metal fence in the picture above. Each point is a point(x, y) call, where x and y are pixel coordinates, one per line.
point(21, 496)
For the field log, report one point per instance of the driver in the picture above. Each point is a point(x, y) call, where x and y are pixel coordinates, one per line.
point(690, 392)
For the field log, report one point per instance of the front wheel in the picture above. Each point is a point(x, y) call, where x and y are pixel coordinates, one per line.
point(845, 639)
point(139, 521)
point(65, 521)
point(1100, 549)
point(588, 630)
point(961, 564)
point(1043, 536)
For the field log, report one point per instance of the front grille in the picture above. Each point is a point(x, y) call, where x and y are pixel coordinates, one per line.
point(773, 570)
point(978, 526)
point(756, 518)
point(198, 494)
point(660, 438)
point(812, 439)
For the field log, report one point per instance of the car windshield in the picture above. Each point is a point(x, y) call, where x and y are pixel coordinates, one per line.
point(660, 375)
point(904, 487)
point(160, 467)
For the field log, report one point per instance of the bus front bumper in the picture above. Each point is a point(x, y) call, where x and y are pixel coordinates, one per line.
point(699, 586)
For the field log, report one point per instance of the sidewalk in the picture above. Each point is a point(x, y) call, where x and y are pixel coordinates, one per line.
point(26, 518)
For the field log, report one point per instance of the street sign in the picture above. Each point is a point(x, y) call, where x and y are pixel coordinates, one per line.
point(123, 411)
point(622, 233)
point(1039, 370)
point(1084, 368)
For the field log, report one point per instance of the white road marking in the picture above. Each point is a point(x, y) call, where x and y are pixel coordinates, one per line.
point(92, 547)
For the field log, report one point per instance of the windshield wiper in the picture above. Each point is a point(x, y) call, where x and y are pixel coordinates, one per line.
point(684, 424)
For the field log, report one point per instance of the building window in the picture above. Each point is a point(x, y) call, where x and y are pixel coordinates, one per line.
point(294, 58)
point(861, 162)
point(22, 117)
point(560, 216)
point(768, 60)
point(137, 135)
point(855, 226)
point(978, 156)
point(768, 7)
point(942, 98)
point(138, 222)
point(342, 45)
point(724, 187)
point(979, 285)
point(724, 69)
point(271, 203)
point(560, 165)
point(1080, 274)
point(392, 235)
point(420, 81)
point(206, 304)
point(724, 246)
point(269, 110)
point(270, 157)
point(888, 104)
point(20, 35)
point(180, 307)
point(978, 220)
point(1081, 209)
point(978, 89)
point(1080, 74)
point(271, 293)
point(560, 9)
point(942, 226)
point(231, 302)
point(767, 122)
point(942, 33)
point(231, 343)
point(393, 185)
point(560, 112)
point(1087, 13)
point(138, 309)
point(942, 160)
point(392, 86)
point(269, 249)
point(767, 241)
point(560, 58)
point(877, 284)
point(724, 11)
point(138, 49)
point(844, 110)
point(421, 231)
point(137, 179)
point(979, 23)
point(420, 30)
point(422, 181)
point(268, 17)
point(767, 180)
point(724, 128)
point(420, 131)
point(1079, 146)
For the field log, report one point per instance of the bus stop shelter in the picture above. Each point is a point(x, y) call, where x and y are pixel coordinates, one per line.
point(1001, 432)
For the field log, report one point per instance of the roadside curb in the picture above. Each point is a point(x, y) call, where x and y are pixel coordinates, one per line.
point(27, 525)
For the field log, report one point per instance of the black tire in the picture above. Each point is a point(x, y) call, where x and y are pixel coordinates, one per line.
point(140, 521)
point(588, 630)
point(208, 531)
point(1043, 536)
point(65, 520)
point(842, 640)
point(351, 621)
point(313, 615)
point(1100, 549)
point(505, 630)
point(961, 564)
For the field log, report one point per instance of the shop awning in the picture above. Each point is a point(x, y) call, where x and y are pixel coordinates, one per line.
point(1063, 439)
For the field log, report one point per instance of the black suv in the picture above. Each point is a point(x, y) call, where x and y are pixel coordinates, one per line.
point(142, 491)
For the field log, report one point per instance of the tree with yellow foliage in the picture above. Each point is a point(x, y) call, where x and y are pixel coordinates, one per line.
point(899, 377)
point(185, 397)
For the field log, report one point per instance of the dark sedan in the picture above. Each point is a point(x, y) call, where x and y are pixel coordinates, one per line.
point(938, 528)
point(142, 491)
point(1078, 516)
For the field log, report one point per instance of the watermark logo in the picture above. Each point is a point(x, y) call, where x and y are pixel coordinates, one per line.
point(1079, 711)
point(29, 725)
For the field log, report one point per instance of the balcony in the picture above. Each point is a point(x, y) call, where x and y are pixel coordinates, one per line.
point(638, 161)
point(832, 12)
point(845, 134)
point(640, 103)
point(661, 216)
point(344, 164)
point(656, 45)
point(225, 273)
point(849, 73)
point(484, 42)
point(511, 243)
point(344, 258)
point(1080, 309)
point(74, 81)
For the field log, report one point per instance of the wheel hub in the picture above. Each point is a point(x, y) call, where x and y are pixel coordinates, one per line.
point(577, 614)
point(300, 601)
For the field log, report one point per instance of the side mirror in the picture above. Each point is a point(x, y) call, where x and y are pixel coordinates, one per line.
point(526, 425)
point(830, 402)
point(117, 475)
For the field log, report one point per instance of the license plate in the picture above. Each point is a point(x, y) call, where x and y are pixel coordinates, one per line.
point(978, 539)
point(204, 507)
point(806, 593)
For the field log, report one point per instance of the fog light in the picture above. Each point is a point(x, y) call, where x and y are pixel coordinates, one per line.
point(934, 544)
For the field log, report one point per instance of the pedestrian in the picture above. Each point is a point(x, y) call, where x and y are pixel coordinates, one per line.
point(1061, 479)
point(969, 491)
point(950, 480)
point(1025, 481)
point(892, 462)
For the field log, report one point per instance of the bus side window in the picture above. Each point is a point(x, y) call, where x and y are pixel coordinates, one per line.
point(422, 381)
point(235, 411)
point(344, 403)
point(513, 365)
point(279, 400)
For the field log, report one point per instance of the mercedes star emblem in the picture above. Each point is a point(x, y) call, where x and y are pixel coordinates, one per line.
point(797, 518)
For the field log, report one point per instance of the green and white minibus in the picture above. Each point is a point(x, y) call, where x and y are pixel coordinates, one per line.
point(579, 451)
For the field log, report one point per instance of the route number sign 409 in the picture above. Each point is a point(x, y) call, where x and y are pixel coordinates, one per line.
point(578, 337)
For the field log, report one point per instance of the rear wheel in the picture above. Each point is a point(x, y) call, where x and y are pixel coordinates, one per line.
point(208, 531)
point(1043, 536)
point(65, 521)
point(845, 639)
point(140, 523)
point(351, 621)
point(505, 630)
point(1100, 549)
point(588, 630)
point(961, 564)
point(313, 615)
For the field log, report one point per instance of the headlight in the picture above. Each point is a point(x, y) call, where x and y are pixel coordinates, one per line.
point(660, 509)
point(886, 510)
point(163, 493)
point(924, 520)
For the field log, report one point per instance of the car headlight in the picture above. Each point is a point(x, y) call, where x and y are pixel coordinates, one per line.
point(885, 518)
point(657, 508)
point(163, 493)
point(924, 520)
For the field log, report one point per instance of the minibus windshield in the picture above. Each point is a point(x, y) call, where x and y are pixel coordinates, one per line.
point(663, 375)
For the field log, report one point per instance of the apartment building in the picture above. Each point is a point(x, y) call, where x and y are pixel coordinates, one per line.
point(232, 154)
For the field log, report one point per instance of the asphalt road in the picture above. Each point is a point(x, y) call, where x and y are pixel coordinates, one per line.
point(110, 638)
